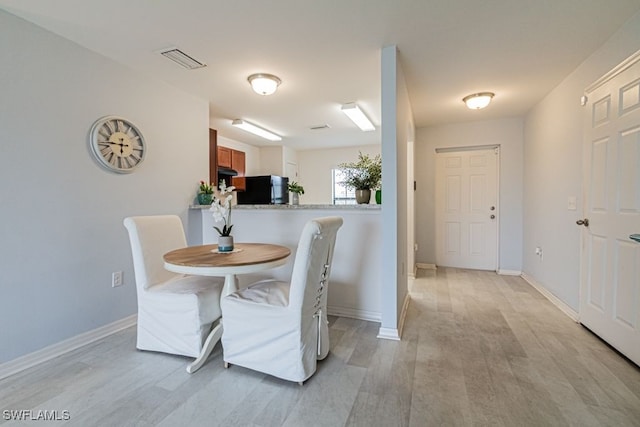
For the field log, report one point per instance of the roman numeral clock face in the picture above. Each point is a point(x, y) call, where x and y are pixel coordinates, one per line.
point(117, 144)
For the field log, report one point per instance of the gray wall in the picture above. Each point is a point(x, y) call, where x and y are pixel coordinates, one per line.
point(508, 133)
point(397, 131)
point(61, 233)
point(553, 170)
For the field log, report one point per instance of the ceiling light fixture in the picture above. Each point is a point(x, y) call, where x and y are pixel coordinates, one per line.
point(264, 84)
point(357, 116)
point(478, 100)
point(256, 130)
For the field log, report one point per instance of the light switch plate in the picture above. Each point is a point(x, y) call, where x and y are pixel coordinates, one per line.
point(572, 203)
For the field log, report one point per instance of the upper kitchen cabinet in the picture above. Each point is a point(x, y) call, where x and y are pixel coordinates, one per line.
point(224, 157)
point(238, 162)
point(229, 158)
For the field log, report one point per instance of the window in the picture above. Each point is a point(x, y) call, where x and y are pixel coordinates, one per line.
point(341, 194)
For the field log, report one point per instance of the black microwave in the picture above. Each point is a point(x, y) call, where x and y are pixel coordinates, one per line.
point(265, 190)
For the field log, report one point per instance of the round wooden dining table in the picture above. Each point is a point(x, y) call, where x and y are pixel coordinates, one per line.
point(205, 260)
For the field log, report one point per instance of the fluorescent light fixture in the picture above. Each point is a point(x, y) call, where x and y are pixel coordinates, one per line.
point(182, 59)
point(357, 116)
point(478, 101)
point(256, 130)
point(264, 84)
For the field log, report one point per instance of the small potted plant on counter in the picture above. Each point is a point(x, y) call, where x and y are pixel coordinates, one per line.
point(296, 190)
point(363, 175)
point(205, 193)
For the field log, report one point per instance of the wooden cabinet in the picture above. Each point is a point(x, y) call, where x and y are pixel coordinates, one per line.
point(232, 159)
point(238, 163)
point(225, 158)
point(213, 156)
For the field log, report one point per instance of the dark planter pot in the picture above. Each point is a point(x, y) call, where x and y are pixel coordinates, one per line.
point(363, 196)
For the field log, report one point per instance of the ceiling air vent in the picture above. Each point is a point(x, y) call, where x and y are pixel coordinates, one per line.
point(182, 59)
point(325, 126)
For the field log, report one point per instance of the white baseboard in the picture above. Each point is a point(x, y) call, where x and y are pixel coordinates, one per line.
point(425, 266)
point(27, 361)
point(371, 316)
point(509, 272)
point(551, 297)
point(396, 334)
point(388, 334)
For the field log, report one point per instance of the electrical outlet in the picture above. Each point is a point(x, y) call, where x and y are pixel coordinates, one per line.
point(116, 279)
point(415, 247)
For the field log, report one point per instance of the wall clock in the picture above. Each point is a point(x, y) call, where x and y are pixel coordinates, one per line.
point(117, 144)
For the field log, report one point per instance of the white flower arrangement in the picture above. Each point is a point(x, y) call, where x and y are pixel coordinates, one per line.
point(221, 208)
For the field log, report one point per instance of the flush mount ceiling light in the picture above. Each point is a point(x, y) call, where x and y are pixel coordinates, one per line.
point(478, 100)
point(256, 130)
point(264, 84)
point(357, 116)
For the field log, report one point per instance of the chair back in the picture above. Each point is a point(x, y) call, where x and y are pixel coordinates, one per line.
point(312, 265)
point(150, 238)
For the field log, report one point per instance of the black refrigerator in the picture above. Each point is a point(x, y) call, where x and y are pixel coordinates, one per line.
point(264, 190)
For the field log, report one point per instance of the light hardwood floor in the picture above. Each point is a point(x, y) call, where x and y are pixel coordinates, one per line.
point(478, 349)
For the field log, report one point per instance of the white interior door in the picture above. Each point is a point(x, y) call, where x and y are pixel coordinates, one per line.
point(291, 171)
point(610, 279)
point(467, 209)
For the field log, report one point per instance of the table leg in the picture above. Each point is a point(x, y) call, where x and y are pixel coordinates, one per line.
point(207, 348)
point(230, 286)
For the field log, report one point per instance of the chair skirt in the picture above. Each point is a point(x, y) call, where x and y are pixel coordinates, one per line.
point(175, 317)
point(284, 345)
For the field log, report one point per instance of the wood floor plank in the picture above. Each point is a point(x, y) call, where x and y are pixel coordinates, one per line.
point(477, 349)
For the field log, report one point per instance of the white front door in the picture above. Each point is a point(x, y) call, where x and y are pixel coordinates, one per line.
point(610, 277)
point(467, 209)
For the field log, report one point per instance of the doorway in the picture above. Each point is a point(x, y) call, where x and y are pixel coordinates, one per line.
point(467, 207)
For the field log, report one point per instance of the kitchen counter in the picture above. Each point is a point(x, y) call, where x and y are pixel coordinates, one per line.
point(354, 289)
point(294, 207)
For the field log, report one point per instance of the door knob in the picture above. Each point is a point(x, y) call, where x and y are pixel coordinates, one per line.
point(584, 222)
point(492, 217)
point(493, 208)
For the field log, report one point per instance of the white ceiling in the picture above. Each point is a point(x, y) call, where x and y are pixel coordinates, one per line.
point(327, 52)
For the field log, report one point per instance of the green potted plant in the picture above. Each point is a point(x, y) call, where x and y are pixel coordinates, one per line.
point(296, 190)
point(363, 175)
point(205, 193)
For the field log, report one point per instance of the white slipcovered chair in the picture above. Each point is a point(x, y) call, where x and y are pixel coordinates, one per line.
point(281, 328)
point(175, 311)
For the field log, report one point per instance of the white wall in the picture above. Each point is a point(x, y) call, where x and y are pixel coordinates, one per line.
point(315, 168)
point(397, 132)
point(61, 232)
point(553, 170)
point(354, 288)
point(273, 160)
point(252, 154)
point(508, 133)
